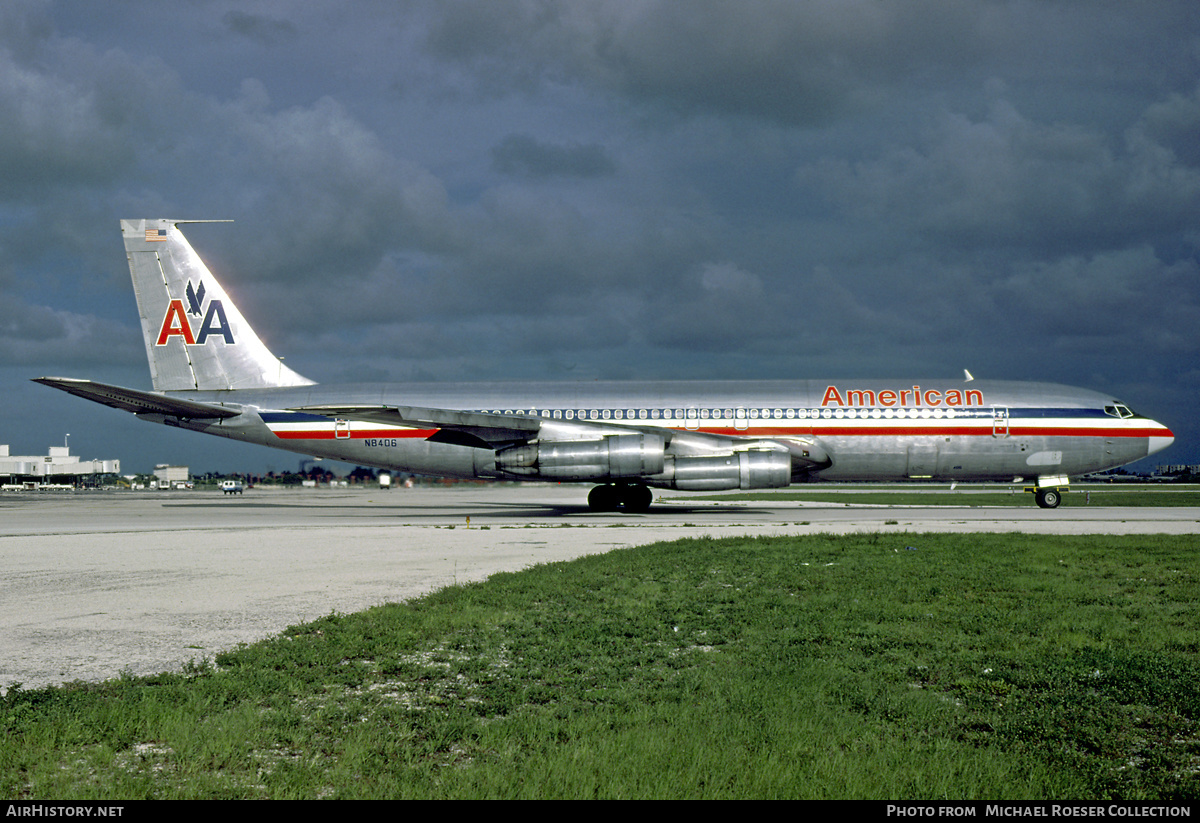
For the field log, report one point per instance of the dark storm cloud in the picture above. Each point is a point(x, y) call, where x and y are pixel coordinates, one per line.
point(264, 30)
point(1108, 295)
point(1173, 126)
point(621, 188)
point(1007, 180)
point(38, 336)
point(336, 196)
point(799, 63)
point(521, 154)
point(805, 64)
point(62, 130)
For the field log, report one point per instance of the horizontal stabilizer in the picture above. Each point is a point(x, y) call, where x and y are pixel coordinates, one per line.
point(132, 400)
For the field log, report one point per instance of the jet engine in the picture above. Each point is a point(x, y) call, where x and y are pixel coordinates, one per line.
point(754, 468)
point(644, 457)
point(618, 455)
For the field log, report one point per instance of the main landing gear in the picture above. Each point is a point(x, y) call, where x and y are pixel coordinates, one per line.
point(627, 497)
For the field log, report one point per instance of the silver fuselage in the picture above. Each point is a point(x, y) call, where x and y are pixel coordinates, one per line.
point(871, 430)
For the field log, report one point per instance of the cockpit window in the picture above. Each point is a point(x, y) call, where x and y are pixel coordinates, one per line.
point(1118, 410)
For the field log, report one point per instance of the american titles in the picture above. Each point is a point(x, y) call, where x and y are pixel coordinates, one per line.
point(900, 397)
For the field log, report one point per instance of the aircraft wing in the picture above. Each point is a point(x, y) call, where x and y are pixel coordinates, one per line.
point(417, 417)
point(481, 429)
point(490, 430)
point(466, 428)
point(133, 400)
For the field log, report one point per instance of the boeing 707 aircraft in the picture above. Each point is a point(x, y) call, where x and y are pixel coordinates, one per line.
point(212, 374)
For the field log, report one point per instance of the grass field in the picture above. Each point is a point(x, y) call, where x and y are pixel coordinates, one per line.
point(915, 666)
point(942, 495)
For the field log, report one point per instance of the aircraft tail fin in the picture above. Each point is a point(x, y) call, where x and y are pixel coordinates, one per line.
point(195, 336)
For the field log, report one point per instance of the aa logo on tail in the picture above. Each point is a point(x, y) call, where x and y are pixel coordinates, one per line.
point(176, 323)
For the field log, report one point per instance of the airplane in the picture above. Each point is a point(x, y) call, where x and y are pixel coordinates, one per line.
point(211, 373)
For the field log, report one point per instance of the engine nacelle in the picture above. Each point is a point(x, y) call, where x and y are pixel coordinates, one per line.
point(750, 469)
point(618, 455)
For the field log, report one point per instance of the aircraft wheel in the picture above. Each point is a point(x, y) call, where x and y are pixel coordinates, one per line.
point(636, 498)
point(1049, 498)
point(629, 497)
point(604, 499)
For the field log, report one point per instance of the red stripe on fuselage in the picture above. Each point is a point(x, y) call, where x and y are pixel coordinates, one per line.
point(984, 430)
point(987, 430)
point(940, 431)
point(355, 434)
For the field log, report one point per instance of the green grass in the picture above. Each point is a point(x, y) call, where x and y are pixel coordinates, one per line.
point(942, 496)
point(954, 666)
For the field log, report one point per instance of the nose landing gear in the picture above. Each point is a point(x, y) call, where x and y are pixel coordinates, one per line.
point(1048, 498)
point(1049, 490)
point(634, 498)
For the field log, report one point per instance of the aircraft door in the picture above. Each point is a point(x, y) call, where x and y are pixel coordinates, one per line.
point(922, 459)
point(1000, 421)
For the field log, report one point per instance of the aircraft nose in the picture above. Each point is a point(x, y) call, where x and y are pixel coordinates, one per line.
point(1160, 439)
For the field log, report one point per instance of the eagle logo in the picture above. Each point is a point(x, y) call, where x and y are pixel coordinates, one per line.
point(176, 323)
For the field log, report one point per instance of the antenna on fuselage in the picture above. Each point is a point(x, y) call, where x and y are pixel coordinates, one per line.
point(968, 375)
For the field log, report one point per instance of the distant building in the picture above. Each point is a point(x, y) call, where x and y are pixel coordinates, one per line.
point(1178, 468)
point(172, 477)
point(57, 468)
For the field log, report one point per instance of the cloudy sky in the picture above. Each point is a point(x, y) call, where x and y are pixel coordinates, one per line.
point(607, 189)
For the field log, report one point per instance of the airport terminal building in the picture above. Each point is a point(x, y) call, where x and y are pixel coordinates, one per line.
point(58, 469)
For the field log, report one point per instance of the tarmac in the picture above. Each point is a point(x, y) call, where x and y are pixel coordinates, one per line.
point(101, 583)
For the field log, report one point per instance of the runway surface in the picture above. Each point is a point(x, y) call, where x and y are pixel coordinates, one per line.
point(99, 583)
